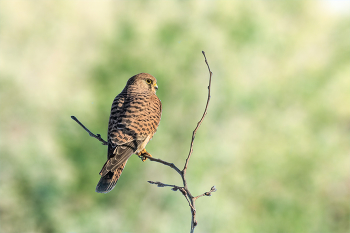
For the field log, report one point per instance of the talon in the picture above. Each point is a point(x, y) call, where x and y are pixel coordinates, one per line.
point(141, 153)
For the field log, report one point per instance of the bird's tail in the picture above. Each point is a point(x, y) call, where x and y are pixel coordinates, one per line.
point(108, 181)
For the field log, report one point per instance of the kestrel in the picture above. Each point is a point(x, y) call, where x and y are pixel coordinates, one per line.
point(135, 116)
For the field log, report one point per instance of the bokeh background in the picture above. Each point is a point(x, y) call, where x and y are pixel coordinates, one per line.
point(275, 142)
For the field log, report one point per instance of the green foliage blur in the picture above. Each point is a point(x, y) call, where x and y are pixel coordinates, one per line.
point(275, 142)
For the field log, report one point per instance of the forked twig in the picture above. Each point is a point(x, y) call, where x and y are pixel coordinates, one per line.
point(184, 190)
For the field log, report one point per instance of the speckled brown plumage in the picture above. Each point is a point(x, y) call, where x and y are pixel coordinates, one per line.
point(135, 116)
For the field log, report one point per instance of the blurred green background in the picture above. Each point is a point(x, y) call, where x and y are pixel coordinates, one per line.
point(275, 142)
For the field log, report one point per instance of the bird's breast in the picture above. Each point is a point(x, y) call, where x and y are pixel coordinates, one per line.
point(143, 144)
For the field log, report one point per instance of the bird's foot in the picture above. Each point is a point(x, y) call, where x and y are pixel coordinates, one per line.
point(143, 152)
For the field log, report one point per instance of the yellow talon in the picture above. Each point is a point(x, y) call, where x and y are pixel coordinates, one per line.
point(141, 153)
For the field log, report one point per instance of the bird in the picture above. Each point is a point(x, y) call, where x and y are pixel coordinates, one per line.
point(134, 119)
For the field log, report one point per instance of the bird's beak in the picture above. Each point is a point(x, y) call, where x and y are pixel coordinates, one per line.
point(156, 86)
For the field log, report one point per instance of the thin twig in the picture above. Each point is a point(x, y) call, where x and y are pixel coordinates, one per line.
point(174, 188)
point(160, 184)
point(163, 162)
point(190, 203)
point(201, 120)
point(213, 189)
point(97, 136)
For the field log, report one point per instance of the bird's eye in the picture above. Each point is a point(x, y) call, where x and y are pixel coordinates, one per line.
point(149, 81)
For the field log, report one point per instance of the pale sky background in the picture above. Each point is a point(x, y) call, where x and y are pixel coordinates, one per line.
point(338, 6)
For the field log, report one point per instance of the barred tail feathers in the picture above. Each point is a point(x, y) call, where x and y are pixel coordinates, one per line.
point(109, 180)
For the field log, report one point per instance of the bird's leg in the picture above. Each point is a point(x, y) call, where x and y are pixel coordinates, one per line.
point(141, 153)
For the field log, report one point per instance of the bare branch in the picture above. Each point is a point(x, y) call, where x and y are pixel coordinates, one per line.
point(174, 188)
point(160, 184)
point(163, 162)
point(213, 189)
point(201, 120)
point(185, 191)
point(97, 136)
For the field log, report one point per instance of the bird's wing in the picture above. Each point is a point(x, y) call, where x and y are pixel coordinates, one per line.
point(124, 135)
point(119, 156)
point(131, 121)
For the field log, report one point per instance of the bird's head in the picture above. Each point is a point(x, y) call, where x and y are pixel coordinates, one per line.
point(144, 81)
